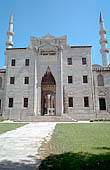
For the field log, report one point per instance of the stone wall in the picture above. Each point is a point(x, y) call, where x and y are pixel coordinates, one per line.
point(53, 53)
point(101, 91)
point(78, 90)
point(19, 90)
point(56, 70)
point(2, 89)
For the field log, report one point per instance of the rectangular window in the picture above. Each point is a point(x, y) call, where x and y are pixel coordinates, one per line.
point(26, 80)
point(0, 82)
point(70, 99)
point(83, 61)
point(70, 79)
point(69, 61)
point(102, 104)
point(86, 101)
point(12, 80)
point(0, 104)
point(10, 102)
point(85, 79)
point(26, 62)
point(25, 102)
point(13, 62)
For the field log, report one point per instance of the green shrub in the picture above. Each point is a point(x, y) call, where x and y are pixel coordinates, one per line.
point(1, 118)
point(99, 120)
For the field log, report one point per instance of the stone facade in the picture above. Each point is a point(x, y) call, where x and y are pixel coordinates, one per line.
point(2, 90)
point(52, 78)
point(101, 90)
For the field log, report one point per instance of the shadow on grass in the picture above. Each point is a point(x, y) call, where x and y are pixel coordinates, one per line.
point(102, 148)
point(76, 161)
point(9, 165)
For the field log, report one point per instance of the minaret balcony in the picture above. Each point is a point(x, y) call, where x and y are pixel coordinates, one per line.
point(102, 32)
point(104, 51)
point(103, 41)
point(10, 33)
point(9, 43)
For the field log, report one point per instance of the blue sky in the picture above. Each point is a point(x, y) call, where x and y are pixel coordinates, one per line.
point(78, 19)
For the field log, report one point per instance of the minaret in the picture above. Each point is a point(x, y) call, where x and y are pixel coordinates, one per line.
point(103, 42)
point(10, 33)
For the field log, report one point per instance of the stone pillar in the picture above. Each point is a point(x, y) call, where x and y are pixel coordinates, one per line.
point(35, 89)
point(59, 86)
point(65, 98)
point(39, 101)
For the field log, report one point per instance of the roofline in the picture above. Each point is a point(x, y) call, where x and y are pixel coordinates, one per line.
point(2, 70)
point(27, 48)
point(81, 46)
point(16, 48)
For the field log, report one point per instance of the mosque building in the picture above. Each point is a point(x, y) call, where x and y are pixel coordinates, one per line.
point(52, 78)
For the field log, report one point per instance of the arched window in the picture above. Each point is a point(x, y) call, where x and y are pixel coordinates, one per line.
point(100, 80)
point(0, 82)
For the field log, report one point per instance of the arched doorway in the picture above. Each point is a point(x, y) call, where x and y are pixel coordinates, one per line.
point(48, 94)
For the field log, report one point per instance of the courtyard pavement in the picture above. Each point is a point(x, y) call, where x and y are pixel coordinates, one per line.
point(19, 147)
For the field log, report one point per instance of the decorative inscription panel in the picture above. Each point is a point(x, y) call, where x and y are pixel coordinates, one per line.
point(48, 58)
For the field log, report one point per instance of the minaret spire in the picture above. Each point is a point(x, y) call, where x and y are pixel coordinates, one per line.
point(101, 17)
point(10, 33)
point(103, 42)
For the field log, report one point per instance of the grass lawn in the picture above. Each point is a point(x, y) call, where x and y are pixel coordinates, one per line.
point(77, 147)
point(4, 127)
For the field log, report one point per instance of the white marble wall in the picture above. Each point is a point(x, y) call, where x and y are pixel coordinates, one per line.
point(78, 90)
point(60, 70)
point(2, 90)
point(101, 91)
point(19, 90)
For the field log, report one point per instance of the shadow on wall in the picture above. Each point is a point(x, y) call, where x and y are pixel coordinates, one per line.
point(76, 161)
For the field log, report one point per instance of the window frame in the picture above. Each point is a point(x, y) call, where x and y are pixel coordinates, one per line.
point(27, 62)
point(100, 80)
point(69, 60)
point(70, 101)
point(86, 101)
point(10, 104)
point(70, 79)
point(0, 104)
point(84, 61)
point(102, 104)
point(26, 102)
point(1, 80)
point(26, 80)
point(85, 79)
point(12, 80)
point(13, 62)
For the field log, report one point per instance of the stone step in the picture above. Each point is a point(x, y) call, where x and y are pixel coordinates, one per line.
point(48, 119)
point(65, 117)
point(106, 116)
point(83, 116)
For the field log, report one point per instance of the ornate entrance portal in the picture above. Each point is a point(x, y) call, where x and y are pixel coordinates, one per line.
point(48, 94)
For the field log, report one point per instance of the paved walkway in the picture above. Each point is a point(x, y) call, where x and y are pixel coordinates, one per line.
point(19, 148)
